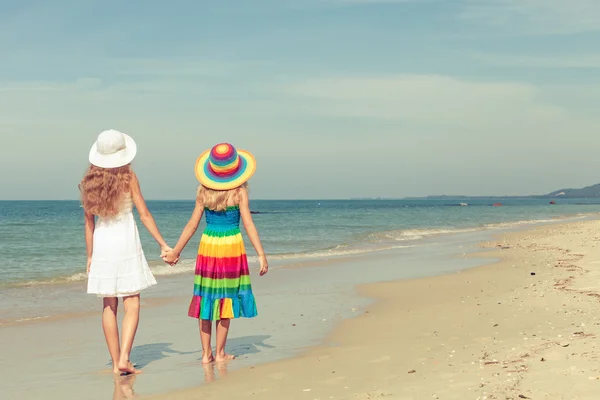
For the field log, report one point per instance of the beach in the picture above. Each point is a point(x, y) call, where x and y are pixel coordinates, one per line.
point(494, 313)
point(521, 328)
point(363, 200)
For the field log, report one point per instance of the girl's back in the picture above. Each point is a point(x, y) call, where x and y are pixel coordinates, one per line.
point(117, 267)
point(225, 219)
point(222, 289)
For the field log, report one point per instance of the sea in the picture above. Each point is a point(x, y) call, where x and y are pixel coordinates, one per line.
point(42, 242)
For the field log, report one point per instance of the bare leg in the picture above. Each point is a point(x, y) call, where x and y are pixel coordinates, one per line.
point(222, 331)
point(130, 324)
point(205, 333)
point(111, 329)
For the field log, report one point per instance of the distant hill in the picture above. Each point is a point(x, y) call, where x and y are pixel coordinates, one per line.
point(586, 192)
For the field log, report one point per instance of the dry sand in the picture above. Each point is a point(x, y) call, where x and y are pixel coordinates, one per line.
point(523, 328)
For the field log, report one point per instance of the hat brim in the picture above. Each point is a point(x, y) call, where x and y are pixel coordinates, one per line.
point(115, 160)
point(211, 181)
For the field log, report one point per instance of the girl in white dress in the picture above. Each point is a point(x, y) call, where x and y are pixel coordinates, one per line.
point(117, 267)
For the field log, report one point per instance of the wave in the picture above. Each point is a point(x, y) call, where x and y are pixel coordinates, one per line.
point(416, 234)
point(159, 268)
point(374, 242)
point(337, 251)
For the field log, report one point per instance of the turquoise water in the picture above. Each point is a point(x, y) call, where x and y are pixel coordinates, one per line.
point(42, 242)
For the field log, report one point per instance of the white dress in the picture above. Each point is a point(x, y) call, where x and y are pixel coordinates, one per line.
point(119, 267)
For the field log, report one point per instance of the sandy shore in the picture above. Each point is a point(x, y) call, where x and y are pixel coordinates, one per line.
point(522, 328)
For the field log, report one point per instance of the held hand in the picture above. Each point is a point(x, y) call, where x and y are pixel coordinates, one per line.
point(264, 265)
point(89, 263)
point(164, 249)
point(164, 254)
point(170, 257)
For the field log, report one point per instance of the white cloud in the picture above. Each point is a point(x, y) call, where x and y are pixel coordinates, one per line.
point(177, 67)
point(376, 1)
point(562, 61)
point(430, 100)
point(89, 101)
point(119, 86)
point(434, 133)
point(535, 16)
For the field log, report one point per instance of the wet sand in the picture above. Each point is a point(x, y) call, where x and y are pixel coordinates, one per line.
point(522, 328)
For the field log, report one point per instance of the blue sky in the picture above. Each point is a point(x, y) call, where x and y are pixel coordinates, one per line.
point(336, 98)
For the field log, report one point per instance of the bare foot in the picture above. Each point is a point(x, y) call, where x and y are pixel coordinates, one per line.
point(207, 359)
point(126, 367)
point(224, 357)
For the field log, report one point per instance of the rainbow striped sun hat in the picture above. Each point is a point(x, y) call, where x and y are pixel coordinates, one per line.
point(223, 167)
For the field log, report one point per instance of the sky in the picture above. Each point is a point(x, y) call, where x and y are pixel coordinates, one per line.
point(335, 98)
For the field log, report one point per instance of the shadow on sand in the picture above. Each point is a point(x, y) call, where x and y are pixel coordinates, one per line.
point(242, 346)
point(145, 354)
point(247, 345)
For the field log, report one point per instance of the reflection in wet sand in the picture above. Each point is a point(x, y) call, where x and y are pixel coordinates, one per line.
point(124, 387)
point(222, 368)
point(209, 371)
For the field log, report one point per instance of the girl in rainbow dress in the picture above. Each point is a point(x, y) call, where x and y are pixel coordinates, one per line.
point(222, 288)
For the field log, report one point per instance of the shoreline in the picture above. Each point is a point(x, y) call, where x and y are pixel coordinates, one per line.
point(14, 314)
point(481, 349)
point(372, 242)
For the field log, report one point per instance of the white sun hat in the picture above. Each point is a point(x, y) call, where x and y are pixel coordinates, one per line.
point(112, 149)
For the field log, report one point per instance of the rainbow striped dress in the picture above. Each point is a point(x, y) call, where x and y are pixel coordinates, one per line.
point(222, 287)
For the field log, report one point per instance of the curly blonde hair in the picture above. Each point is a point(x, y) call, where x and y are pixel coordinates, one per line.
point(216, 200)
point(102, 189)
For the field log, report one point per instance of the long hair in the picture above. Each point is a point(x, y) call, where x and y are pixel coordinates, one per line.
point(102, 189)
point(217, 200)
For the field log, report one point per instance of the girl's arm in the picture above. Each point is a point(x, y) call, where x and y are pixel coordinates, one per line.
point(145, 216)
point(251, 230)
point(90, 225)
point(188, 232)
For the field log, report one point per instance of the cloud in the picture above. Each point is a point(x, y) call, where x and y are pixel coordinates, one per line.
point(92, 100)
point(591, 61)
point(118, 86)
point(376, 1)
point(537, 17)
point(429, 100)
point(178, 67)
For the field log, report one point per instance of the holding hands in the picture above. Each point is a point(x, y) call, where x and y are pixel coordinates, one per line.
point(168, 255)
point(171, 257)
